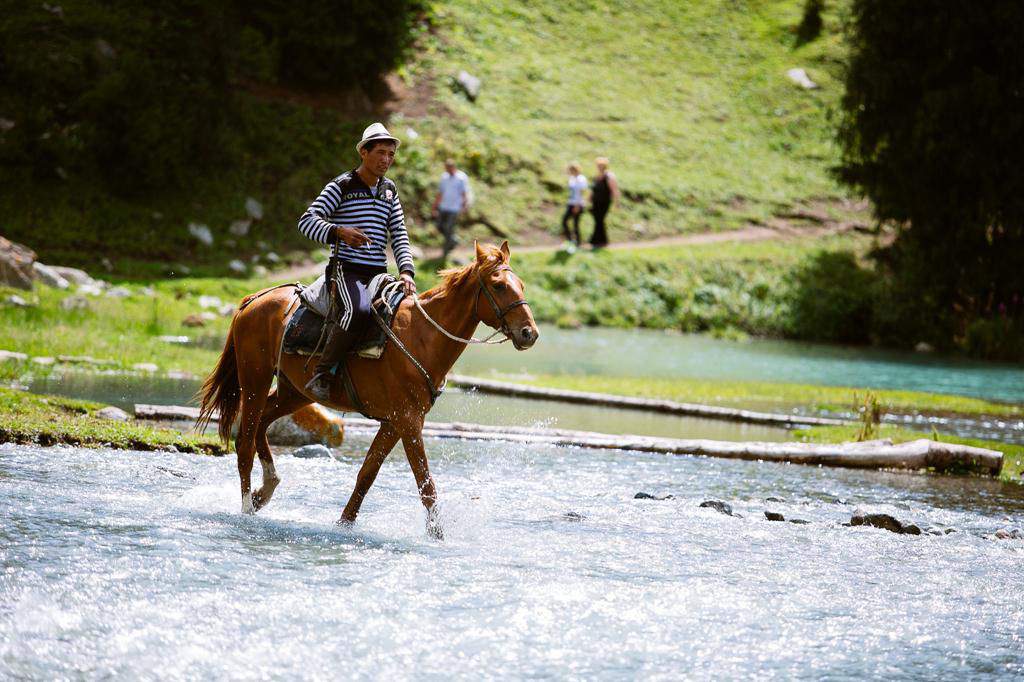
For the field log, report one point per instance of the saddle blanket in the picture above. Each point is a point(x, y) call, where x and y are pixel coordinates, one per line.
point(302, 334)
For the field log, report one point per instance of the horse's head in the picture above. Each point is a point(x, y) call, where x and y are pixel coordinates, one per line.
point(505, 307)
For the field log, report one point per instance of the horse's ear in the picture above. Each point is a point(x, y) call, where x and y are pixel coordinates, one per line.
point(480, 255)
point(505, 250)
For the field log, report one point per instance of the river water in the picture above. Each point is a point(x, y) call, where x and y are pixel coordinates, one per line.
point(668, 355)
point(139, 565)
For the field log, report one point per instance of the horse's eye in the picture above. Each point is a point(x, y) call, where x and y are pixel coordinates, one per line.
point(500, 286)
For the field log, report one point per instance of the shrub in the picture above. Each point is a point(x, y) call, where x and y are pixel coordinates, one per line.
point(831, 299)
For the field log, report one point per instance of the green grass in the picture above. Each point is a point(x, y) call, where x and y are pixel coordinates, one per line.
point(51, 420)
point(1013, 455)
point(781, 396)
point(689, 99)
point(126, 330)
point(718, 287)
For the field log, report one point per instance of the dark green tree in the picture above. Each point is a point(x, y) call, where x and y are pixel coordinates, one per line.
point(932, 131)
point(143, 95)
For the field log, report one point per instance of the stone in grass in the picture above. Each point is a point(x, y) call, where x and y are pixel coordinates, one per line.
point(75, 303)
point(774, 516)
point(717, 505)
point(113, 414)
point(884, 521)
point(237, 266)
point(254, 208)
point(311, 451)
point(210, 302)
point(12, 356)
point(145, 367)
point(649, 496)
point(193, 320)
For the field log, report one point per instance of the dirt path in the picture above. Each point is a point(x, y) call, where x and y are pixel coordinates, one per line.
point(752, 233)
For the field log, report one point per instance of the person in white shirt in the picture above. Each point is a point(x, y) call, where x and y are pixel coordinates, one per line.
point(577, 186)
point(452, 200)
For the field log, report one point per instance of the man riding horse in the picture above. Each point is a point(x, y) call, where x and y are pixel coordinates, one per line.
point(357, 213)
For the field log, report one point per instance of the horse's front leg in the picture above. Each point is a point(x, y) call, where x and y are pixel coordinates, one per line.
point(417, 456)
point(381, 446)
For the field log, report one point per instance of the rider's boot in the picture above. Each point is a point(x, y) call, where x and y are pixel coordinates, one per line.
point(338, 343)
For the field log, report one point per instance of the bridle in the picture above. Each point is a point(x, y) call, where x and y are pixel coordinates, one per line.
point(499, 312)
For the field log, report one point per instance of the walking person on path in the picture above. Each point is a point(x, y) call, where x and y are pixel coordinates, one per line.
point(573, 209)
point(452, 200)
point(603, 193)
point(357, 213)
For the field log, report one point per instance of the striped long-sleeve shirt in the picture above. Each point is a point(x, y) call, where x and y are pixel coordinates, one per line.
point(347, 201)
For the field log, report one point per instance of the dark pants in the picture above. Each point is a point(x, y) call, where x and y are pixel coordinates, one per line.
point(353, 297)
point(600, 236)
point(575, 223)
point(446, 226)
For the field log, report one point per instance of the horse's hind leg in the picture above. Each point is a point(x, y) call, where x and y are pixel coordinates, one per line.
point(255, 386)
point(282, 401)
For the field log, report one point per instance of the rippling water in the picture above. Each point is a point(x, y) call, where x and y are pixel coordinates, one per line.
point(140, 565)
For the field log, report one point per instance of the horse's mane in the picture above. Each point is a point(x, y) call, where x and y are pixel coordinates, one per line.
point(453, 278)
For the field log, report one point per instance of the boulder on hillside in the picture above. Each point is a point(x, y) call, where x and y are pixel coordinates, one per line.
point(73, 275)
point(253, 208)
point(16, 265)
point(800, 77)
point(201, 233)
point(469, 84)
point(49, 276)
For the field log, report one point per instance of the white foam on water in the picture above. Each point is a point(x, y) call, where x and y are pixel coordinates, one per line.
point(549, 568)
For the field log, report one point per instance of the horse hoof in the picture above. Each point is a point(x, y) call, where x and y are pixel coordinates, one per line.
point(247, 506)
point(434, 529)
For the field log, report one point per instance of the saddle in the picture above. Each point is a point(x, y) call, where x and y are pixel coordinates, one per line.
point(304, 328)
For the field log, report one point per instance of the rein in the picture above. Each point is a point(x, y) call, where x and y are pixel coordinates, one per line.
point(498, 311)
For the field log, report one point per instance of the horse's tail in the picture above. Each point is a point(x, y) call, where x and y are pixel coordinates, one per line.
point(221, 391)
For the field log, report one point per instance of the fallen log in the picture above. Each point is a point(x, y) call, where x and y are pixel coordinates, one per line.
point(915, 455)
point(879, 454)
point(631, 403)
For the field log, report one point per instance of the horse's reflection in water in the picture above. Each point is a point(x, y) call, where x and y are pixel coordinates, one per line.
point(392, 389)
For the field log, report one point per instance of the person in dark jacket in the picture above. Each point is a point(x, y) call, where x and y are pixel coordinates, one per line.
point(603, 194)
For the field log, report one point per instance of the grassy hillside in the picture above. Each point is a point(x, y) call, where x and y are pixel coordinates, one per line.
point(689, 99)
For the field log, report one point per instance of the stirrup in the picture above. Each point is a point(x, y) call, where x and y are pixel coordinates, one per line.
point(320, 385)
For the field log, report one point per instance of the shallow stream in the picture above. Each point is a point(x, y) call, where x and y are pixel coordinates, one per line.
point(135, 565)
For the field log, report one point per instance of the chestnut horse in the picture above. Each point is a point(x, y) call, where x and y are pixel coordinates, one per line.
point(392, 389)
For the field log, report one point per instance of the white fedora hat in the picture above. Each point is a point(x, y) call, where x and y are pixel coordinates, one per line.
point(376, 131)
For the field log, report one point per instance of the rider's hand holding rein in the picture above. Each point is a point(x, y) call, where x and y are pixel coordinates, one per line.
point(352, 236)
point(408, 283)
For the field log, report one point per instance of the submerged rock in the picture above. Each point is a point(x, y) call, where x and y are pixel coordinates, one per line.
point(649, 496)
point(312, 451)
point(573, 516)
point(800, 522)
point(884, 521)
point(717, 505)
point(774, 516)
